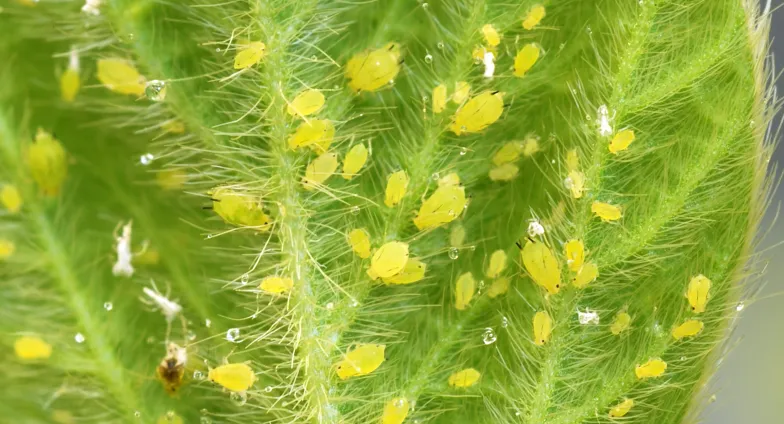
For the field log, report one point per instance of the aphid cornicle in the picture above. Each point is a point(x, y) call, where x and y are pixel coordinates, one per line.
point(395, 411)
point(47, 161)
point(698, 293)
point(541, 265)
point(388, 260)
point(249, 54)
point(372, 70)
point(464, 378)
point(233, 377)
point(478, 113)
point(543, 328)
point(172, 368)
point(120, 76)
point(362, 360)
point(354, 161)
point(397, 184)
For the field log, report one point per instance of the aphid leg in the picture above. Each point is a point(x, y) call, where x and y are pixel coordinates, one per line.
point(145, 245)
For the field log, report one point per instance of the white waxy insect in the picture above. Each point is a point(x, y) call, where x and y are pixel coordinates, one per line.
point(123, 267)
point(535, 228)
point(92, 7)
point(489, 61)
point(605, 129)
point(588, 317)
point(169, 308)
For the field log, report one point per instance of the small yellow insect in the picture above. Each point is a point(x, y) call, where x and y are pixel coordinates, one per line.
point(10, 198)
point(306, 103)
point(31, 348)
point(526, 59)
point(171, 370)
point(621, 323)
point(655, 367)
point(621, 409)
point(354, 161)
point(373, 69)
point(445, 205)
point(508, 153)
point(497, 264)
point(478, 113)
point(457, 235)
point(249, 54)
point(276, 285)
point(698, 293)
point(531, 146)
point(359, 239)
point(239, 209)
point(7, 248)
point(586, 275)
point(572, 160)
point(48, 163)
point(395, 411)
point(499, 286)
point(574, 250)
point(541, 265)
point(505, 172)
point(120, 76)
point(450, 179)
point(397, 184)
point(543, 328)
point(173, 126)
point(606, 211)
point(462, 90)
point(464, 378)
point(439, 98)
point(170, 418)
point(465, 287)
point(534, 16)
point(575, 182)
point(389, 260)
point(233, 377)
point(621, 141)
point(319, 170)
point(413, 271)
point(362, 360)
point(171, 179)
point(689, 328)
point(69, 80)
point(317, 134)
point(492, 38)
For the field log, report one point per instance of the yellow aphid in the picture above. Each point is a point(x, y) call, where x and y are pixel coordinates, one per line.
point(621, 409)
point(362, 360)
point(319, 170)
point(389, 260)
point(465, 287)
point(32, 347)
point(572, 160)
point(173, 126)
point(491, 35)
point(373, 69)
point(478, 113)
point(689, 328)
point(450, 179)
point(574, 250)
point(306, 103)
point(354, 161)
point(534, 16)
point(316, 134)
point(575, 182)
point(543, 328)
point(497, 264)
point(508, 153)
point(439, 98)
point(464, 378)
point(397, 184)
point(479, 52)
point(621, 141)
point(525, 59)
point(233, 377)
point(505, 172)
point(171, 179)
point(457, 235)
point(10, 198)
point(29, 3)
point(395, 411)
point(542, 266)
point(276, 285)
point(7, 248)
point(239, 209)
point(586, 275)
point(606, 211)
point(499, 286)
point(462, 90)
point(48, 163)
point(69, 84)
point(413, 271)
point(249, 55)
point(120, 76)
point(359, 239)
point(443, 206)
point(61, 416)
point(655, 367)
point(698, 293)
point(620, 323)
point(531, 146)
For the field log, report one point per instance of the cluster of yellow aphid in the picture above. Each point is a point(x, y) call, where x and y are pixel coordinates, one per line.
point(505, 168)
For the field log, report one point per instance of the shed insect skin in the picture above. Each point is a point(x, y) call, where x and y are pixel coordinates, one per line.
point(123, 267)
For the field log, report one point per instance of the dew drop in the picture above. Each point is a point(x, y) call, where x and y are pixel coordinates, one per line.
point(355, 210)
point(330, 306)
point(238, 398)
point(268, 389)
point(472, 247)
point(740, 306)
point(435, 176)
point(233, 335)
point(79, 338)
point(399, 402)
point(489, 337)
point(425, 6)
point(108, 306)
point(453, 253)
point(150, 340)
point(207, 323)
point(244, 279)
point(440, 45)
point(354, 303)
point(429, 58)
point(314, 58)
point(155, 90)
point(588, 30)
point(137, 414)
point(504, 322)
point(191, 336)
point(198, 375)
point(463, 151)
point(146, 158)
point(217, 49)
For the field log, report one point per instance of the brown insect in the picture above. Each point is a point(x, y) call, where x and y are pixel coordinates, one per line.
point(172, 368)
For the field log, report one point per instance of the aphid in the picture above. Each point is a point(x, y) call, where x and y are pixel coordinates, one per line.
point(543, 328)
point(32, 347)
point(319, 170)
point(655, 367)
point(91, 7)
point(499, 286)
point(317, 134)
point(478, 113)
point(120, 76)
point(572, 160)
point(464, 378)
point(123, 267)
point(526, 59)
point(689, 328)
point(443, 206)
point(306, 103)
point(491, 35)
point(276, 285)
point(606, 211)
point(233, 377)
point(48, 163)
point(505, 172)
point(497, 264)
point(388, 260)
point(171, 179)
point(621, 141)
point(69, 80)
point(621, 323)
point(239, 209)
point(541, 265)
point(462, 90)
point(373, 69)
point(574, 250)
point(359, 239)
point(450, 179)
point(698, 293)
point(413, 271)
point(457, 235)
point(531, 146)
point(621, 409)
point(575, 183)
point(465, 287)
point(397, 184)
point(169, 308)
point(508, 153)
point(10, 198)
point(395, 411)
point(354, 161)
point(586, 275)
point(534, 16)
point(249, 54)
point(439, 98)
point(172, 368)
point(362, 360)
point(173, 126)
point(7, 248)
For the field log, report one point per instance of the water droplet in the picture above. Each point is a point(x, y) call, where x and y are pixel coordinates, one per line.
point(268, 389)
point(146, 158)
point(489, 337)
point(453, 253)
point(472, 247)
point(207, 323)
point(440, 45)
point(217, 49)
point(313, 58)
point(330, 306)
point(108, 306)
point(238, 398)
point(191, 336)
point(79, 338)
point(429, 58)
point(740, 306)
point(588, 30)
point(463, 151)
point(137, 414)
point(399, 402)
point(198, 375)
point(355, 210)
point(425, 6)
point(712, 399)
point(354, 303)
point(504, 322)
point(244, 279)
point(683, 358)
point(233, 335)
point(155, 90)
